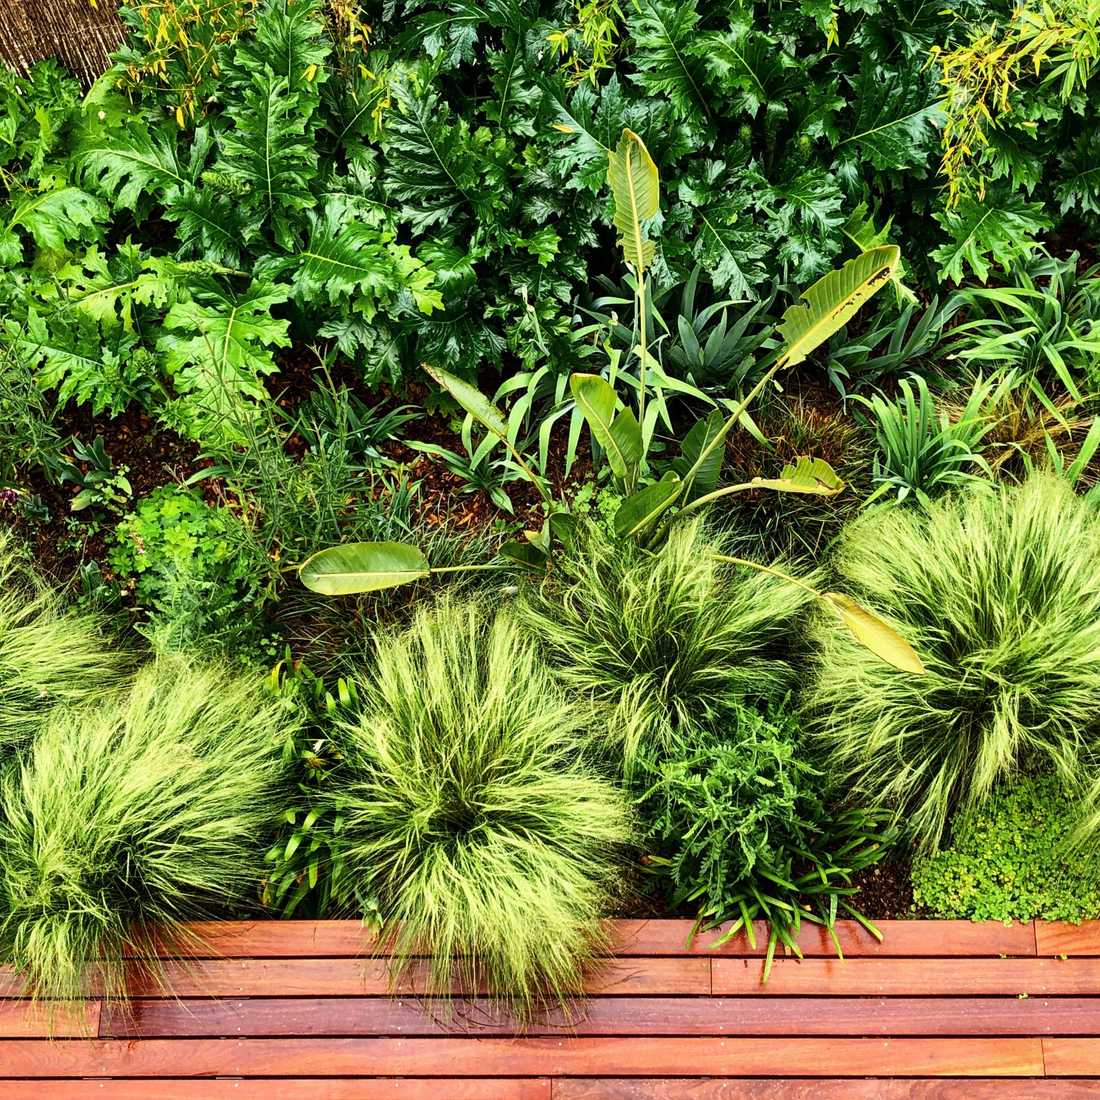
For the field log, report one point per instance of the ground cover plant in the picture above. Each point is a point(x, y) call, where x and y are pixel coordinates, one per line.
point(634, 457)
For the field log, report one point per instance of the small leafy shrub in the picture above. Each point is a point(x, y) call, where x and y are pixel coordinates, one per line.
point(133, 815)
point(662, 639)
point(469, 814)
point(741, 828)
point(174, 553)
point(1011, 858)
point(997, 591)
point(47, 655)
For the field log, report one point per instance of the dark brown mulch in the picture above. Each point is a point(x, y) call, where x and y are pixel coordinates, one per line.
point(885, 892)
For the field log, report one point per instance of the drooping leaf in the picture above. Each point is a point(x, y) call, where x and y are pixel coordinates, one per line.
point(811, 476)
point(359, 567)
point(833, 300)
point(706, 477)
point(636, 192)
point(874, 634)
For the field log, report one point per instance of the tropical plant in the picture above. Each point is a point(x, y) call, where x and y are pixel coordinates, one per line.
point(125, 820)
point(469, 814)
point(657, 642)
point(738, 823)
point(923, 451)
point(1045, 323)
point(49, 655)
point(997, 589)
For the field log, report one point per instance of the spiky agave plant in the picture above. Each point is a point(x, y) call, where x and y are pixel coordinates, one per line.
point(128, 818)
point(1000, 591)
point(665, 639)
point(47, 654)
point(469, 815)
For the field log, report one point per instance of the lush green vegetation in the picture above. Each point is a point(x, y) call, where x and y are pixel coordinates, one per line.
point(470, 814)
point(488, 466)
point(1012, 858)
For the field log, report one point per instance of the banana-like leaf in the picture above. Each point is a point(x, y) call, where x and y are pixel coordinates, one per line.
point(639, 512)
point(706, 477)
point(472, 400)
point(833, 300)
point(617, 433)
point(524, 554)
point(813, 476)
point(873, 634)
point(636, 191)
point(363, 567)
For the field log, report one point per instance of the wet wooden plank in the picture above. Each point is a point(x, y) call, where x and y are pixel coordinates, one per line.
point(281, 1089)
point(921, 938)
point(908, 977)
point(875, 1089)
point(1072, 1057)
point(656, 1016)
point(630, 938)
point(370, 977)
point(568, 1057)
point(1060, 938)
point(30, 1020)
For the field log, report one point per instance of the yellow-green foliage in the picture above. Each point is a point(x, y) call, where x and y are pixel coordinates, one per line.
point(469, 814)
point(148, 809)
point(658, 639)
point(1012, 858)
point(998, 590)
point(47, 655)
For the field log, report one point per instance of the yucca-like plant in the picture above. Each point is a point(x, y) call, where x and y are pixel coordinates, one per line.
point(47, 655)
point(999, 592)
point(659, 640)
point(132, 816)
point(469, 815)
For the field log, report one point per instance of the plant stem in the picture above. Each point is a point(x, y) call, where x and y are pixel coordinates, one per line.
point(770, 571)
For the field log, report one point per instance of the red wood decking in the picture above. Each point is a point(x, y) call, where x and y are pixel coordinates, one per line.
point(941, 1010)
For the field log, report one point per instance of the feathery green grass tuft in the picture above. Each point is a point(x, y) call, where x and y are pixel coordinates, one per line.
point(664, 639)
point(147, 810)
point(469, 815)
point(999, 593)
point(47, 655)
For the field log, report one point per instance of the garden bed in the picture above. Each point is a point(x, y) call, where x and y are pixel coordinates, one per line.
point(293, 1010)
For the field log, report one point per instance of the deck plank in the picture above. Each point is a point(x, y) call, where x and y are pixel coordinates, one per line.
point(1002, 1088)
point(630, 938)
point(656, 1016)
point(909, 977)
point(1060, 938)
point(1072, 1057)
point(554, 1057)
point(41, 1020)
point(318, 1088)
point(349, 977)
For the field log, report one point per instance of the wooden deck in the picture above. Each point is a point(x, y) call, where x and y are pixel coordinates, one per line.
point(291, 1011)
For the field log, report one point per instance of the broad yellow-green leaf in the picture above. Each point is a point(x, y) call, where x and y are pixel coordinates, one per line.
point(636, 191)
point(524, 554)
point(872, 633)
point(617, 433)
point(363, 567)
point(833, 300)
point(813, 476)
point(638, 513)
point(472, 400)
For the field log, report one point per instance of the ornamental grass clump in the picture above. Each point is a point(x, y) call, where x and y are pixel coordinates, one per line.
point(469, 815)
point(660, 639)
point(47, 655)
point(133, 816)
point(998, 590)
